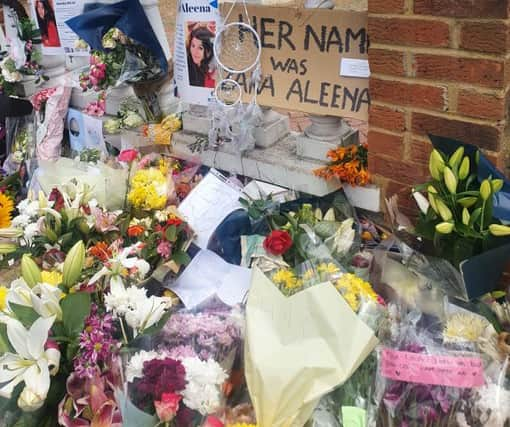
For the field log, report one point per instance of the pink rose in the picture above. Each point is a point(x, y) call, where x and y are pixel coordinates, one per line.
point(128, 156)
point(212, 422)
point(167, 407)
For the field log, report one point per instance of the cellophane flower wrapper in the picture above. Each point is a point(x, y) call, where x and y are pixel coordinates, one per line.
point(108, 183)
point(451, 383)
point(50, 123)
point(21, 144)
point(192, 357)
point(418, 281)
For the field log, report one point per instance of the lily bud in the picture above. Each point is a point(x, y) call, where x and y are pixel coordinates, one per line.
point(431, 189)
point(444, 227)
point(485, 189)
point(318, 214)
point(465, 216)
point(444, 211)
point(456, 157)
point(11, 233)
point(477, 157)
point(30, 271)
point(464, 168)
point(450, 180)
point(330, 215)
point(73, 264)
point(432, 201)
point(438, 160)
point(7, 248)
point(499, 230)
point(496, 185)
point(467, 202)
point(434, 169)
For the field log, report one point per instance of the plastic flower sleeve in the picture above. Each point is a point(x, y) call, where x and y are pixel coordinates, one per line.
point(21, 145)
point(409, 277)
point(108, 184)
point(50, 123)
point(435, 373)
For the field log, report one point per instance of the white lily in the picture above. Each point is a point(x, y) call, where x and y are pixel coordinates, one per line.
point(421, 201)
point(344, 237)
point(31, 363)
point(146, 312)
point(120, 262)
point(43, 298)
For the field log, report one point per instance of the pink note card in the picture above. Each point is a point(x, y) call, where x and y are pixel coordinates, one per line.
point(451, 371)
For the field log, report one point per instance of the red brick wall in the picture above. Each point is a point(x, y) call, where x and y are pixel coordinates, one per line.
point(441, 67)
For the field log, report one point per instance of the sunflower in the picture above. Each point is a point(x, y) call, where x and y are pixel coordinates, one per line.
point(6, 208)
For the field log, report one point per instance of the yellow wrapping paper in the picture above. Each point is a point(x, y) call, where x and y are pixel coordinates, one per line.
point(299, 348)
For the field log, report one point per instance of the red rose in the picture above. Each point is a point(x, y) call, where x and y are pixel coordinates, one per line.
point(127, 156)
point(277, 242)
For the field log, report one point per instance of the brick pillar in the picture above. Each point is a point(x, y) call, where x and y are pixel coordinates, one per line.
point(440, 67)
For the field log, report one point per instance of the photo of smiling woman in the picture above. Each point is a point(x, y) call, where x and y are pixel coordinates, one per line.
point(47, 24)
point(200, 55)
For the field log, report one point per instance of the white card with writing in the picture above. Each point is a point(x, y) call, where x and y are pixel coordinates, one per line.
point(208, 204)
point(354, 68)
point(207, 275)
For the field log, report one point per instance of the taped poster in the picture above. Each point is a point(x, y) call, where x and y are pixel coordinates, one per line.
point(194, 66)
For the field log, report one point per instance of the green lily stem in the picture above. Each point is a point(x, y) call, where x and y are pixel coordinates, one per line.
point(124, 335)
point(482, 216)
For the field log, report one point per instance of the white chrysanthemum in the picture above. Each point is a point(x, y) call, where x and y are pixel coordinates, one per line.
point(134, 368)
point(28, 207)
point(31, 230)
point(20, 221)
point(462, 327)
point(203, 389)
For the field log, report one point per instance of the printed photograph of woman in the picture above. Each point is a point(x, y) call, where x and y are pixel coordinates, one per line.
point(47, 24)
point(200, 54)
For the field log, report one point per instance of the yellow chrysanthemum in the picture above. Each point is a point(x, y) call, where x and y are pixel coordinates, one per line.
point(6, 208)
point(464, 327)
point(352, 300)
point(3, 297)
point(328, 268)
point(51, 277)
point(286, 278)
point(163, 166)
point(242, 425)
point(148, 189)
point(353, 289)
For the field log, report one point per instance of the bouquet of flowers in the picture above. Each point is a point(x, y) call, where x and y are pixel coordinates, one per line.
point(348, 164)
point(124, 48)
point(458, 214)
point(129, 116)
point(22, 59)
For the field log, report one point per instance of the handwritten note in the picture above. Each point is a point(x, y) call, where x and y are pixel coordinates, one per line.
point(449, 371)
point(208, 205)
point(208, 275)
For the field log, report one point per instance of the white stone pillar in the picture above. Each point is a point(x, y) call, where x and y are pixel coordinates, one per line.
point(325, 132)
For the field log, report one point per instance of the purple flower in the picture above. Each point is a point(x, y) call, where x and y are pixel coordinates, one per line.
point(97, 347)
